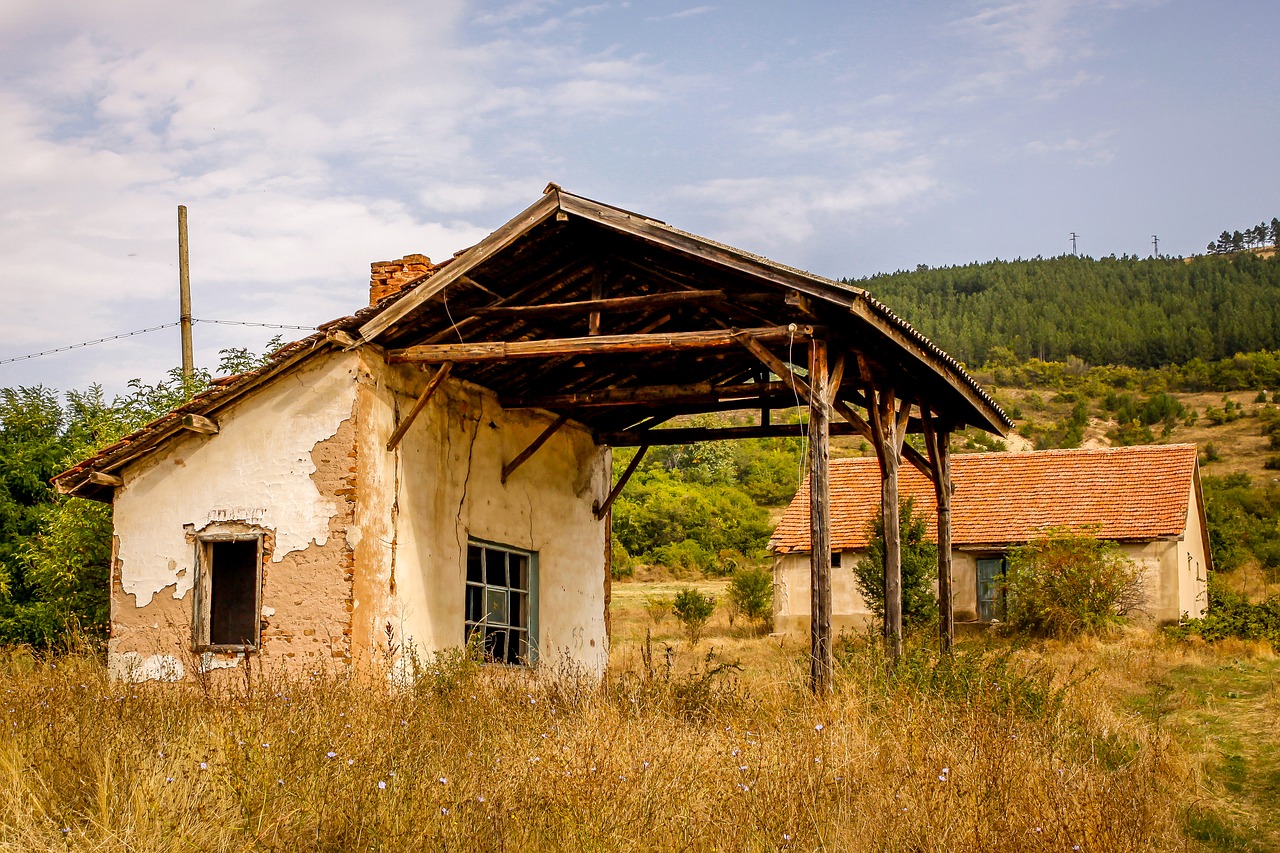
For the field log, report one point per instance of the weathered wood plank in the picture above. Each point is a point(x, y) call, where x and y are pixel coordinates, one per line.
point(822, 668)
point(99, 478)
point(199, 423)
point(694, 393)
point(692, 435)
point(600, 509)
point(419, 405)
point(523, 456)
point(600, 344)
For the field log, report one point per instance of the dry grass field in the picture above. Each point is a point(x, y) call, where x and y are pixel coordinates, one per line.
point(1127, 744)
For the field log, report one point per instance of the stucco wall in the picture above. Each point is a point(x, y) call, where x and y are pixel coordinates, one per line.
point(281, 465)
point(1163, 563)
point(418, 506)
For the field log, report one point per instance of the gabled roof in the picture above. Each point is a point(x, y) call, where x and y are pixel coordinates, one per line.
point(550, 270)
point(1118, 493)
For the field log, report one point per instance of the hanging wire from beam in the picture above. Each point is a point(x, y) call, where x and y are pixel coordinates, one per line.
point(136, 332)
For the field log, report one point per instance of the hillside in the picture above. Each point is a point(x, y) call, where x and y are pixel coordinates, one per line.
point(1126, 311)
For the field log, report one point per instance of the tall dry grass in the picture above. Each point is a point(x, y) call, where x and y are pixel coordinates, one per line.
point(994, 751)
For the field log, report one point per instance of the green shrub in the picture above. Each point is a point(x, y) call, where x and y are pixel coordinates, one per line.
point(919, 570)
point(1231, 614)
point(693, 609)
point(751, 591)
point(1065, 584)
point(683, 555)
point(658, 607)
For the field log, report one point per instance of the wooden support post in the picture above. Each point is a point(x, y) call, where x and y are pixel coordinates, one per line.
point(419, 405)
point(938, 442)
point(510, 467)
point(602, 509)
point(884, 424)
point(821, 665)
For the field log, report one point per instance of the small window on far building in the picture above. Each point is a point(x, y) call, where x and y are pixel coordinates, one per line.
point(228, 590)
point(500, 602)
point(835, 559)
point(991, 572)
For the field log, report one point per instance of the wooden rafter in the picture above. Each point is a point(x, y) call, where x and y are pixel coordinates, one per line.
point(600, 509)
point(419, 405)
point(523, 456)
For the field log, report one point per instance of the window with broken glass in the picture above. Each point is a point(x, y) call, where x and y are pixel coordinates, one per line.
point(500, 606)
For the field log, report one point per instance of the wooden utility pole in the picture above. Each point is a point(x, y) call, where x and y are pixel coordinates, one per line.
point(184, 294)
point(822, 667)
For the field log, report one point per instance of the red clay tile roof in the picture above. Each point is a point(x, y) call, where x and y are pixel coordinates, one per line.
point(1120, 493)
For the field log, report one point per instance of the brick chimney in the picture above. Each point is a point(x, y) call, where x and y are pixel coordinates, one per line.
point(388, 277)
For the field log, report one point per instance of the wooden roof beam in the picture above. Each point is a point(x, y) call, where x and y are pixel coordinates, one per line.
point(693, 435)
point(596, 345)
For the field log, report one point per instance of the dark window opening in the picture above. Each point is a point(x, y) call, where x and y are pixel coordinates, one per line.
point(497, 602)
point(233, 593)
point(835, 559)
point(991, 572)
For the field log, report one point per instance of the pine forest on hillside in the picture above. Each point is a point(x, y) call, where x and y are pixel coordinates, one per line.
point(1147, 312)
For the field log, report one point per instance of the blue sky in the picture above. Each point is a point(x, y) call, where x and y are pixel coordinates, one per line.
point(308, 139)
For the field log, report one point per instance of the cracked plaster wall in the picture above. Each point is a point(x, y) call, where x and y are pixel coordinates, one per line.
point(282, 464)
point(417, 507)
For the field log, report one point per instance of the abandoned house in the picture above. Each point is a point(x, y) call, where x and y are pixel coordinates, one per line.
point(436, 467)
point(1147, 499)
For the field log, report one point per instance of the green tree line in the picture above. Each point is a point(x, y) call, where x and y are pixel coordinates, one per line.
point(1140, 312)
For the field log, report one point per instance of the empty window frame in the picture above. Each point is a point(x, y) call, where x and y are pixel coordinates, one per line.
point(501, 602)
point(228, 592)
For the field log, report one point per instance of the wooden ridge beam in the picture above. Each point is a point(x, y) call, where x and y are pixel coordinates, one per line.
point(692, 435)
point(592, 306)
point(510, 467)
point(593, 345)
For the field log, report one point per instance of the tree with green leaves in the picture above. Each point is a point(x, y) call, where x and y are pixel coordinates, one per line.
point(919, 570)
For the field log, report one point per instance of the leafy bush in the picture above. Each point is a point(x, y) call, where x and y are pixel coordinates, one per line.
point(919, 570)
point(1065, 583)
point(658, 607)
point(751, 591)
point(687, 555)
point(693, 608)
point(1231, 614)
point(621, 564)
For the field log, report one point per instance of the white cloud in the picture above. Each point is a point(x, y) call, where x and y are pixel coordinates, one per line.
point(782, 213)
point(690, 12)
point(1094, 150)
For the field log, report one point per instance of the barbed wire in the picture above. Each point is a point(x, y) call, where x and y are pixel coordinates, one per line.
point(136, 332)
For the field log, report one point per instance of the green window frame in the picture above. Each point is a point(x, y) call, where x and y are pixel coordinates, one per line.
point(991, 572)
point(501, 604)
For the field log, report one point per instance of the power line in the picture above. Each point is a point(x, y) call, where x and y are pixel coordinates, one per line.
point(136, 332)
